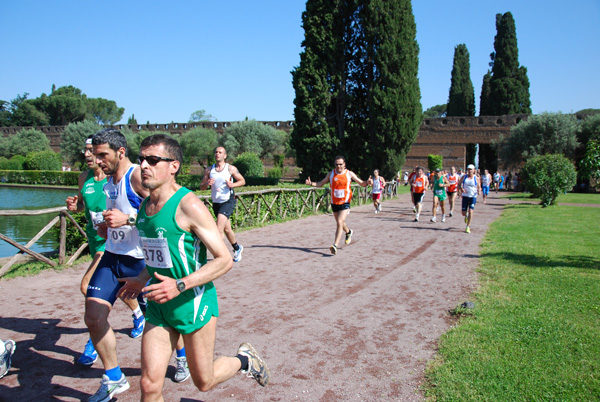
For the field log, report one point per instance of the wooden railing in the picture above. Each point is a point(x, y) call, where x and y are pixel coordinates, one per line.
point(62, 216)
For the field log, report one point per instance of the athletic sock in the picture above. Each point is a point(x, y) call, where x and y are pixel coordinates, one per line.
point(137, 313)
point(180, 352)
point(114, 374)
point(235, 246)
point(244, 361)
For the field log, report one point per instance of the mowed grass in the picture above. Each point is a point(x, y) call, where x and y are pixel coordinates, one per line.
point(534, 334)
point(569, 198)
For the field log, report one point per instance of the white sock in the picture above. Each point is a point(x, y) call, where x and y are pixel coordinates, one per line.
point(137, 313)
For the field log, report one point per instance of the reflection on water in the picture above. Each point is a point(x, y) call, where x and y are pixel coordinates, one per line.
point(23, 228)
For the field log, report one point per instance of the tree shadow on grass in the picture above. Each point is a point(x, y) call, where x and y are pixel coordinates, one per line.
point(534, 261)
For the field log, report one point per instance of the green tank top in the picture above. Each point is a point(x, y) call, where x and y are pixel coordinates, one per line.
point(168, 249)
point(438, 188)
point(94, 200)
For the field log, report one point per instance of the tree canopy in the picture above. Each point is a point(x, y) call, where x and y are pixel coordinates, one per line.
point(461, 101)
point(436, 111)
point(253, 136)
point(357, 90)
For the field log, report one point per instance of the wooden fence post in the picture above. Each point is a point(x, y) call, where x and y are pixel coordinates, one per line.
point(62, 248)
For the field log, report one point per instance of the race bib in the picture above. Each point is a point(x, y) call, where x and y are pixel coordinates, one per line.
point(120, 235)
point(439, 192)
point(97, 218)
point(452, 182)
point(418, 184)
point(339, 193)
point(156, 252)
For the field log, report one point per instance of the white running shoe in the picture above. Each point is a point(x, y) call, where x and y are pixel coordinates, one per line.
point(433, 219)
point(443, 218)
point(182, 372)
point(109, 388)
point(237, 254)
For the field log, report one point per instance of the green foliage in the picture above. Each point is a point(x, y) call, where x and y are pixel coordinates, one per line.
point(275, 172)
point(104, 111)
point(134, 140)
point(73, 139)
point(548, 176)
point(131, 121)
point(73, 237)
point(590, 165)
point(51, 178)
point(435, 162)
point(14, 163)
point(198, 144)
point(357, 91)
point(43, 160)
point(26, 141)
point(589, 129)
point(201, 115)
point(540, 134)
point(249, 165)
point(252, 136)
point(278, 160)
point(461, 101)
point(436, 111)
point(485, 108)
point(509, 84)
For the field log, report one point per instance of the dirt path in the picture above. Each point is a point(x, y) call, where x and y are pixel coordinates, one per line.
point(359, 326)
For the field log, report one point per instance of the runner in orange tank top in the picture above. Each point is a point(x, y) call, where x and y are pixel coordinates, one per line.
point(341, 194)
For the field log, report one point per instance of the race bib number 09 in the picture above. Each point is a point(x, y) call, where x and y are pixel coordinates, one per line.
point(156, 252)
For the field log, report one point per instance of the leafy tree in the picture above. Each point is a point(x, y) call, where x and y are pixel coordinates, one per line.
point(509, 84)
point(201, 115)
point(485, 108)
point(436, 111)
point(26, 141)
point(198, 144)
point(249, 165)
point(590, 165)
point(540, 134)
point(461, 101)
point(547, 176)
point(132, 121)
point(435, 162)
point(24, 113)
point(134, 141)
point(4, 114)
point(252, 136)
point(357, 91)
point(64, 105)
point(73, 139)
point(43, 160)
point(14, 163)
point(104, 111)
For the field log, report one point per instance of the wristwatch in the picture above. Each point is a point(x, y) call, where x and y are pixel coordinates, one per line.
point(131, 219)
point(180, 285)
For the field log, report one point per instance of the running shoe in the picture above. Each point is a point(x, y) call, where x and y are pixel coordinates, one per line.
point(237, 254)
point(333, 249)
point(348, 237)
point(451, 214)
point(379, 207)
point(417, 218)
point(257, 368)
point(415, 209)
point(89, 355)
point(138, 327)
point(443, 218)
point(468, 230)
point(466, 218)
point(5, 359)
point(182, 372)
point(376, 211)
point(433, 219)
point(109, 388)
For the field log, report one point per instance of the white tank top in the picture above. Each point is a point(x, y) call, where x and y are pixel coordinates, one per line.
point(469, 186)
point(123, 240)
point(377, 185)
point(220, 191)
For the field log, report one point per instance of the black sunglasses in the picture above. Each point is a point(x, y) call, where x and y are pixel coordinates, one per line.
point(153, 160)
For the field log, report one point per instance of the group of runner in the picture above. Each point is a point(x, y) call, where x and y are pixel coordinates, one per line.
point(157, 237)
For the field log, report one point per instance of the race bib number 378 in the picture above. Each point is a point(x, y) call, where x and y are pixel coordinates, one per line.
point(156, 252)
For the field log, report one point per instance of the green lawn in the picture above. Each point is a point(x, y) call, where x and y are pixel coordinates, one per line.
point(569, 198)
point(534, 334)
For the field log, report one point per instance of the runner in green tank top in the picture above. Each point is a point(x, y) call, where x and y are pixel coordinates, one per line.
point(440, 182)
point(176, 230)
point(94, 201)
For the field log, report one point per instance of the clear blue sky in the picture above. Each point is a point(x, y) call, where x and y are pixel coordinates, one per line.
point(164, 60)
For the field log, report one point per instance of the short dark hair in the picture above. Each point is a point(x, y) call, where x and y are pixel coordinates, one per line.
point(169, 143)
point(340, 157)
point(111, 136)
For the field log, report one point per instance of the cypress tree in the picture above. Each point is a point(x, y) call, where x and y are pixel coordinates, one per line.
point(461, 101)
point(509, 84)
point(484, 100)
point(357, 91)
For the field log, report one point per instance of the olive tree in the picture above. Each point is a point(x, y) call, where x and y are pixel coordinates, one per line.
point(547, 176)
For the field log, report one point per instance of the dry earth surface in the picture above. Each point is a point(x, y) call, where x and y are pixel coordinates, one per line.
point(359, 326)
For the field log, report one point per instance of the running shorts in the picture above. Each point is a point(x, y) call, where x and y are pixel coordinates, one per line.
point(224, 208)
point(376, 196)
point(468, 203)
point(418, 197)
point(105, 284)
point(340, 207)
point(485, 190)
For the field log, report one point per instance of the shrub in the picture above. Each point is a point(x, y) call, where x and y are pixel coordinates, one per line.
point(52, 178)
point(73, 237)
point(434, 162)
point(14, 163)
point(547, 176)
point(278, 160)
point(249, 164)
point(44, 160)
point(275, 172)
point(73, 139)
point(26, 141)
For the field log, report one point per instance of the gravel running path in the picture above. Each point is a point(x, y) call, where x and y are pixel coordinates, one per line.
point(359, 326)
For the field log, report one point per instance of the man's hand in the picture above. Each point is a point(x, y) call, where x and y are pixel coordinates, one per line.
point(229, 183)
point(72, 203)
point(115, 218)
point(132, 288)
point(308, 182)
point(162, 292)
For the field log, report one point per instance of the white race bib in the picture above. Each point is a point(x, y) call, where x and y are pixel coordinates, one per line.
point(97, 218)
point(156, 252)
point(120, 235)
point(439, 192)
point(418, 184)
point(339, 193)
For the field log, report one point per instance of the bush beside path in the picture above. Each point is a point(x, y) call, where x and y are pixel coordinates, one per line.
point(359, 326)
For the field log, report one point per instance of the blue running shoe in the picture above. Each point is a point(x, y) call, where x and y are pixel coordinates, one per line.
point(237, 254)
point(138, 327)
point(89, 355)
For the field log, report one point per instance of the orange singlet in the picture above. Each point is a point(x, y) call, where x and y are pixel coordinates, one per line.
point(340, 187)
point(421, 184)
point(453, 179)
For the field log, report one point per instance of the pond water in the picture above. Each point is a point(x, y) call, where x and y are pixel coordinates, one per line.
point(23, 228)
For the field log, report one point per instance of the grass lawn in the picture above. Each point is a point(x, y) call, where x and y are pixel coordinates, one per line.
point(569, 198)
point(534, 334)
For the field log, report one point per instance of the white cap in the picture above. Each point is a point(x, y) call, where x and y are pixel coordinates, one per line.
point(471, 167)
